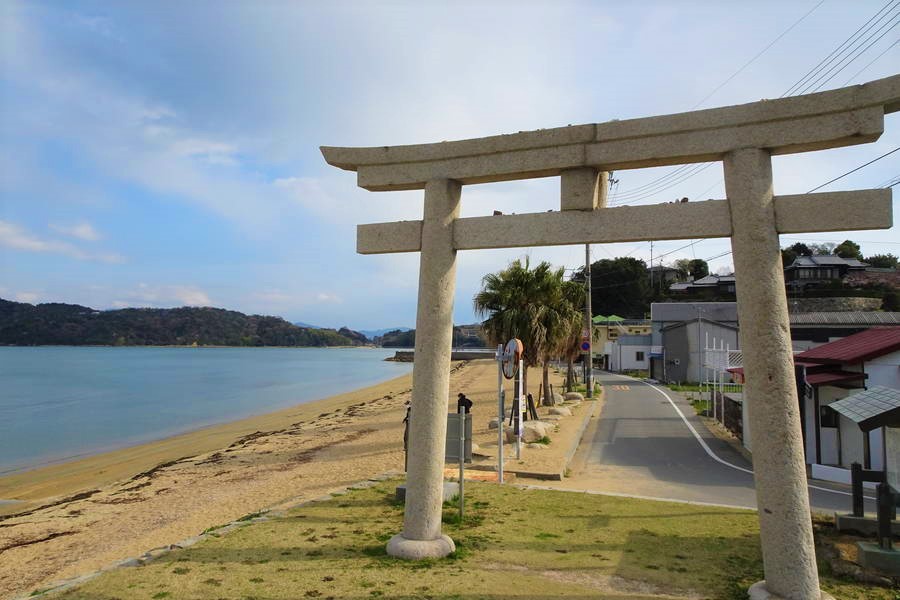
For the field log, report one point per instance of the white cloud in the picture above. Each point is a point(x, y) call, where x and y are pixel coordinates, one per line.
point(83, 231)
point(162, 296)
point(17, 238)
point(29, 297)
point(330, 298)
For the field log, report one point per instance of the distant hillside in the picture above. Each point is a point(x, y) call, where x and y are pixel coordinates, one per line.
point(70, 324)
point(374, 333)
point(464, 336)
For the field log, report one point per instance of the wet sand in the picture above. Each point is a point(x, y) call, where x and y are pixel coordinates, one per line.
point(84, 515)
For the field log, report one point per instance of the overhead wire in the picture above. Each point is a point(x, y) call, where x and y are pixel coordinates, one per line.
point(660, 184)
point(854, 170)
point(871, 62)
point(852, 57)
point(837, 52)
point(676, 172)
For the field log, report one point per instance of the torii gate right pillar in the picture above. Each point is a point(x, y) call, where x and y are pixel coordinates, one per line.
point(778, 465)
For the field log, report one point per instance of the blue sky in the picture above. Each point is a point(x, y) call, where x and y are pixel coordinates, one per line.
point(166, 153)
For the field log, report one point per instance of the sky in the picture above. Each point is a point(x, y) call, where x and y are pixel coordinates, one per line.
point(166, 153)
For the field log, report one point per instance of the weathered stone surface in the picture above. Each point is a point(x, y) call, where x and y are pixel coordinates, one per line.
point(402, 547)
point(583, 189)
point(574, 396)
point(558, 398)
point(834, 211)
point(779, 469)
point(562, 411)
point(828, 119)
point(421, 535)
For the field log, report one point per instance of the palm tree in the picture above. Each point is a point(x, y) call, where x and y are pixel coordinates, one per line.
point(528, 304)
point(570, 347)
point(507, 299)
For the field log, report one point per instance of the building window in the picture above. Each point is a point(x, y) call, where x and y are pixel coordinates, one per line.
point(828, 417)
point(639, 356)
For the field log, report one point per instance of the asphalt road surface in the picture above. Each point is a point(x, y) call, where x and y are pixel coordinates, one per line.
point(649, 442)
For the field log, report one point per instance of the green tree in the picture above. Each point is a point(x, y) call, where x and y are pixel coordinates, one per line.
point(570, 345)
point(790, 254)
point(698, 268)
point(823, 249)
point(525, 303)
point(619, 286)
point(848, 249)
point(882, 261)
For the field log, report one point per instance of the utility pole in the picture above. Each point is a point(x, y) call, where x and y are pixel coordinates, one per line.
point(588, 376)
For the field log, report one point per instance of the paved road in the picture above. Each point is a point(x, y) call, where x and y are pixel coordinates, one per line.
point(641, 445)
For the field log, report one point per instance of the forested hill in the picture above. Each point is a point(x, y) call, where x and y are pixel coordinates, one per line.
point(70, 324)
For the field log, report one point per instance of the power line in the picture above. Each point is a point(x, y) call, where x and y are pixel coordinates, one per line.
point(760, 53)
point(854, 170)
point(852, 58)
point(839, 50)
point(812, 77)
point(871, 62)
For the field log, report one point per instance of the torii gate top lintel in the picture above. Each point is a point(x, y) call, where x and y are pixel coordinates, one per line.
point(841, 117)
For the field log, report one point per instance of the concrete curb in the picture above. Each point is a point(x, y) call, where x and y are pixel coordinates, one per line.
point(576, 442)
point(155, 553)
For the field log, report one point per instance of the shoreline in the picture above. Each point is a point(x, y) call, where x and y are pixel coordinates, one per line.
point(23, 489)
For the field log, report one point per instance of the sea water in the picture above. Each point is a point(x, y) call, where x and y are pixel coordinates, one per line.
point(60, 402)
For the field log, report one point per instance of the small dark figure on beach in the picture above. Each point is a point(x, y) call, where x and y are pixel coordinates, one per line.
point(463, 402)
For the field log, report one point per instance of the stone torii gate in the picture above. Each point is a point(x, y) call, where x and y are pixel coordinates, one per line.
point(744, 138)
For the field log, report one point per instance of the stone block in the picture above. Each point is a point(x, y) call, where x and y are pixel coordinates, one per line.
point(872, 556)
point(562, 411)
point(451, 491)
point(574, 396)
point(863, 525)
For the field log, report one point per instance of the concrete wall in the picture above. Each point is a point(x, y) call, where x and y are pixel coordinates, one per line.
point(892, 439)
point(884, 370)
point(806, 305)
point(830, 440)
point(624, 357)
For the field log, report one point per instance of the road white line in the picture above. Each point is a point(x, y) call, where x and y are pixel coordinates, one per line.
point(713, 455)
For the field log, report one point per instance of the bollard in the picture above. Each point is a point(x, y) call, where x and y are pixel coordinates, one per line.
point(885, 509)
point(856, 484)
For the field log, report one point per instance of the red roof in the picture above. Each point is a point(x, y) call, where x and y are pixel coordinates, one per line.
point(832, 377)
point(856, 348)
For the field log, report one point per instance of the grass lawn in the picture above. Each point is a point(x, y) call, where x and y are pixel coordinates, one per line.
point(513, 543)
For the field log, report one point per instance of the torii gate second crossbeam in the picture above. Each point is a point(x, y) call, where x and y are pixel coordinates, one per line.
point(744, 138)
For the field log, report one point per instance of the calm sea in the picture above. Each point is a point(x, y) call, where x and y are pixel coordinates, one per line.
point(59, 403)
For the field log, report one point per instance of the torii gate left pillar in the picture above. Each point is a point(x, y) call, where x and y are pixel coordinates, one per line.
point(744, 138)
point(422, 537)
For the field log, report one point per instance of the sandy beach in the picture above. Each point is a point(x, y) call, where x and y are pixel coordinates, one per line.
point(81, 516)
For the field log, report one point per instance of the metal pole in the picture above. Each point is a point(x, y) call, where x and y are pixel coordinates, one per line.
point(699, 355)
point(588, 378)
point(518, 408)
point(462, 458)
point(500, 415)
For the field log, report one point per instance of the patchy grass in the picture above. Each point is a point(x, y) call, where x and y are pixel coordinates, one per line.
point(512, 542)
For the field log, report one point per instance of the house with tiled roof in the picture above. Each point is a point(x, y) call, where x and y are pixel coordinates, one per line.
point(831, 372)
point(808, 272)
